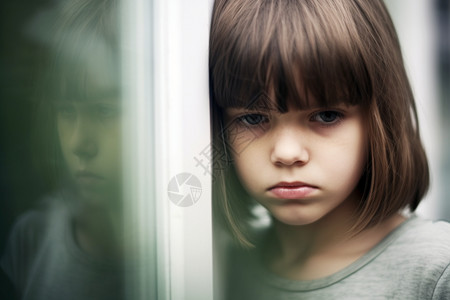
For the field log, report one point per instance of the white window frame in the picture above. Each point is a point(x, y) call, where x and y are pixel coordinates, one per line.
point(165, 67)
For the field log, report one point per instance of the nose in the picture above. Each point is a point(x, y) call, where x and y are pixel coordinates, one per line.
point(289, 148)
point(83, 142)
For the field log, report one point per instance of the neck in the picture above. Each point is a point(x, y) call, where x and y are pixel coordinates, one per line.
point(299, 242)
point(98, 231)
point(324, 247)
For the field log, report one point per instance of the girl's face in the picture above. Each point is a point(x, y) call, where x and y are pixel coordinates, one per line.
point(301, 165)
point(89, 135)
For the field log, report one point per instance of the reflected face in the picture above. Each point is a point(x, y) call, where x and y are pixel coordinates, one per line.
point(89, 135)
point(301, 165)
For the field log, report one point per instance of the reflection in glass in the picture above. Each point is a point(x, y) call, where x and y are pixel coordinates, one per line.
point(70, 246)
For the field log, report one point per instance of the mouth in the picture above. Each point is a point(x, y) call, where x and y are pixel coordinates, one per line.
point(88, 178)
point(292, 190)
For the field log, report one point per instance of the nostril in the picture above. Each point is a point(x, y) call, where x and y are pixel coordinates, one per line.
point(291, 163)
point(289, 153)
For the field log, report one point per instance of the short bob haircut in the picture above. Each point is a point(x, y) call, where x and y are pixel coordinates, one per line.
point(332, 51)
point(82, 47)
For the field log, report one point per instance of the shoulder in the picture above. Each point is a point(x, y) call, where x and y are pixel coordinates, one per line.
point(28, 229)
point(31, 231)
point(421, 252)
point(33, 224)
point(426, 237)
point(419, 240)
point(442, 287)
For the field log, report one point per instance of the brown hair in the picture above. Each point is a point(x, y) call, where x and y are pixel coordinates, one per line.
point(333, 51)
point(81, 47)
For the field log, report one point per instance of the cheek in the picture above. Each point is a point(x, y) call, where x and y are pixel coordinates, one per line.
point(352, 157)
point(249, 166)
point(110, 149)
point(113, 153)
point(64, 133)
point(240, 141)
point(111, 137)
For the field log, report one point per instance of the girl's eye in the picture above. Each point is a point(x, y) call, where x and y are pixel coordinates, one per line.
point(106, 111)
point(253, 119)
point(328, 117)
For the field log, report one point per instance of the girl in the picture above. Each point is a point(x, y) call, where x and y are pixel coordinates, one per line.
point(316, 121)
point(70, 247)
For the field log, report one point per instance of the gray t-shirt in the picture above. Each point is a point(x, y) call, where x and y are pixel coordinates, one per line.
point(412, 262)
point(44, 262)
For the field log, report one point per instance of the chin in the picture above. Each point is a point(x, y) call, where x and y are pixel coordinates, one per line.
point(296, 219)
point(93, 198)
point(297, 222)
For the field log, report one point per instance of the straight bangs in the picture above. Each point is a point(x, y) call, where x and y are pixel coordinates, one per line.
point(85, 59)
point(279, 53)
point(89, 73)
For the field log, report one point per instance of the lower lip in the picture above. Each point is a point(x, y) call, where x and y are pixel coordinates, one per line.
point(89, 180)
point(292, 192)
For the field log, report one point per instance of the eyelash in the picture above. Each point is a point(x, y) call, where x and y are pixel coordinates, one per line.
point(257, 119)
point(247, 119)
point(105, 111)
point(338, 118)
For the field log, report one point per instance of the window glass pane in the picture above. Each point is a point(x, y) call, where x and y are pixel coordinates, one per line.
point(139, 197)
point(62, 130)
point(104, 173)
